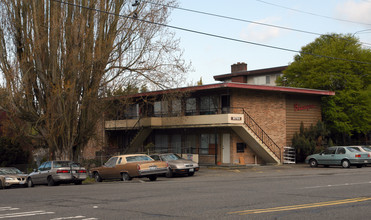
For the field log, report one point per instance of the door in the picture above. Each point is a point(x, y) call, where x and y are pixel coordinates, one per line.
point(108, 171)
point(226, 148)
point(226, 104)
point(327, 157)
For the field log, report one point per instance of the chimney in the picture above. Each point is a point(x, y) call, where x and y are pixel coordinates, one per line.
point(238, 67)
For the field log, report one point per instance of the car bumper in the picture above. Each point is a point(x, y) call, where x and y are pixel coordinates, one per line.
point(67, 177)
point(149, 172)
point(360, 161)
point(184, 170)
point(15, 182)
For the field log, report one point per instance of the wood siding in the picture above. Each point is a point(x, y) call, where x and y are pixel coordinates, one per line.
point(301, 109)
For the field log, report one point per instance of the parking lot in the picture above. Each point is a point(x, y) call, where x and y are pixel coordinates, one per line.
point(253, 192)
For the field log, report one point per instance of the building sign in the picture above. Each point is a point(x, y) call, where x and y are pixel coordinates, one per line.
point(298, 107)
point(236, 118)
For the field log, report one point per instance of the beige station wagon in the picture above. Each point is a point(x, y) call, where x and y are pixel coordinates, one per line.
point(126, 167)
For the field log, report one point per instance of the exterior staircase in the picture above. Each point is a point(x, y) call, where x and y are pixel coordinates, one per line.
point(258, 140)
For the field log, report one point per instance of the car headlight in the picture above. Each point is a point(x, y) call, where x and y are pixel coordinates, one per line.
point(9, 179)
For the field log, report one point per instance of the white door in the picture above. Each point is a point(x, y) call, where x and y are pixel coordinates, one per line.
point(226, 148)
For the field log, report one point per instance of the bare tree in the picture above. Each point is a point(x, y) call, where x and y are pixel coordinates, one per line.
point(58, 56)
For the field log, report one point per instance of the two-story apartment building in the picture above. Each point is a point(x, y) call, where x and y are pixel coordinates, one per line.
point(224, 123)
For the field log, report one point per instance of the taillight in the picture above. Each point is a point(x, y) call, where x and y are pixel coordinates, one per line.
point(138, 166)
point(358, 155)
point(81, 171)
point(167, 164)
point(369, 155)
point(63, 171)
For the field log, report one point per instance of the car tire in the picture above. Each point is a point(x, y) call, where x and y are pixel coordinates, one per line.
point(313, 163)
point(152, 178)
point(30, 182)
point(345, 163)
point(51, 181)
point(97, 177)
point(125, 177)
point(169, 173)
point(191, 173)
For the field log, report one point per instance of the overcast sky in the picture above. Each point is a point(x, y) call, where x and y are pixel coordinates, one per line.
point(212, 56)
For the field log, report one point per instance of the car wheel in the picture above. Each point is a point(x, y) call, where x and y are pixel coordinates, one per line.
point(125, 177)
point(51, 181)
point(78, 182)
point(30, 183)
point(97, 177)
point(313, 163)
point(153, 178)
point(169, 173)
point(345, 164)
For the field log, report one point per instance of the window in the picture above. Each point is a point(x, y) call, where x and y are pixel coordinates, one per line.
point(132, 111)
point(138, 158)
point(48, 166)
point(190, 144)
point(340, 151)
point(260, 80)
point(208, 105)
point(329, 150)
point(191, 106)
point(176, 143)
point(241, 147)
point(155, 157)
point(176, 107)
point(207, 144)
point(111, 162)
point(161, 143)
point(161, 108)
point(42, 166)
point(267, 80)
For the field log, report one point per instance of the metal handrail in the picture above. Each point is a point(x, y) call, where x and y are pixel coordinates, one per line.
point(260, 133)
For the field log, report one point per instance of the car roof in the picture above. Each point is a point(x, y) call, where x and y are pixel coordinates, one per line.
point(130, 155)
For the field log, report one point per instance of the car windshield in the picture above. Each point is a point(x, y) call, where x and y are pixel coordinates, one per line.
point(167, 157)
point(59, 164)
point(138, 158)
point(10, 170)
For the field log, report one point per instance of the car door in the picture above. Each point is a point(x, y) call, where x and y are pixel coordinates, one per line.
point(327, 157)
point(108, 170)
point(36, 176)
point(45, 173)
point(339, 156)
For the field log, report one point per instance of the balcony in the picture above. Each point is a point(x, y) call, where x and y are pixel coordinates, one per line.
point(215, 120)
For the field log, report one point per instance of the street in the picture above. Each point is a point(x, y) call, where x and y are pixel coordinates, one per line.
point(261, 192)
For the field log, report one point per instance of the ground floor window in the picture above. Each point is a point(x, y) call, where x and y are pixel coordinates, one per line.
point(207, 146)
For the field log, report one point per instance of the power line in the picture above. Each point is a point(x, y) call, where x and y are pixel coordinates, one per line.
point(241, 20)
point(208, 34)
point(310, 13)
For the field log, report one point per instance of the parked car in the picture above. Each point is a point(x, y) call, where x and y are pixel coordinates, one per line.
point(126, 167)
point(366, 149)
point(339, 155)
point(177, 165)
point(10, 176)
point(56, 172)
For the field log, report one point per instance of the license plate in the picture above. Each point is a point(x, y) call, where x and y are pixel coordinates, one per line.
point(73, 171)
point(152, 168)
point(191, 170)
point(366, 161)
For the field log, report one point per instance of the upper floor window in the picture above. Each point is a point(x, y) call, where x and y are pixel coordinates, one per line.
point(191, 106)
point(208, 105)
point(160, 108)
